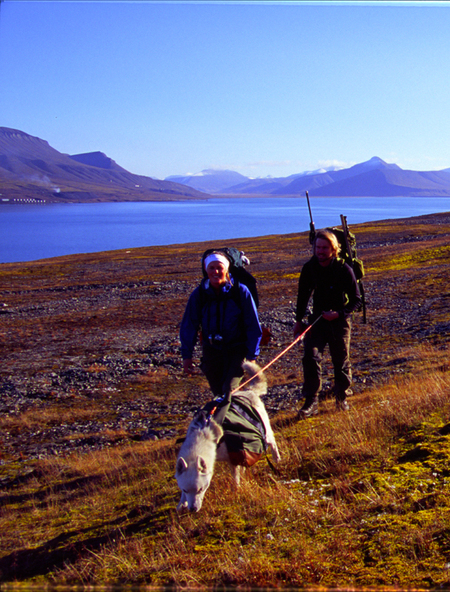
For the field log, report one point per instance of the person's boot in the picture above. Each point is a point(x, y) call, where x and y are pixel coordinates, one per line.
point(342, 405)
point(341, 399)
point(309, 409)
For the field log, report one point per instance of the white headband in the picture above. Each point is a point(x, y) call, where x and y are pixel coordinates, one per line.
point(217, 257)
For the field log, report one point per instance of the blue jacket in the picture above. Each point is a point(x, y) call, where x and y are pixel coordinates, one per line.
point(231, 316)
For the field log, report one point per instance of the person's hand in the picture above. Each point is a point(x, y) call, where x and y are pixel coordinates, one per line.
point(299, 328)
point(330, 315)
point(188, 366)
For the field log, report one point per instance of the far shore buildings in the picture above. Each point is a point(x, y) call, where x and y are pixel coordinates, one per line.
point(31, 200)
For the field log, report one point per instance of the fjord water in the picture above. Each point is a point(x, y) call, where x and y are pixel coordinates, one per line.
point(32, 232)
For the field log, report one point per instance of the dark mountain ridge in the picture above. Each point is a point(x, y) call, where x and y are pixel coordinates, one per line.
point(97, 159)
point(31, 170)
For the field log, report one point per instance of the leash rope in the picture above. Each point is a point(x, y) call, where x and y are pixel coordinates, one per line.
point(296, 340)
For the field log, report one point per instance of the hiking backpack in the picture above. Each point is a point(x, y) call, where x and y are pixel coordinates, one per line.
point(347, 243)
point(238, 261)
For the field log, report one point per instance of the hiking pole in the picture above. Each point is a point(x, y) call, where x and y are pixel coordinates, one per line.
point(296, 340)
point(312, 228)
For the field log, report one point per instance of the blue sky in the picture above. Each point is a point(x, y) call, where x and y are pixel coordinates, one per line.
point(262, 88)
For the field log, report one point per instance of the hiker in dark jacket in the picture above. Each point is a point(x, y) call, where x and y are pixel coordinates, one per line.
point(226, 313)
point(335, 292)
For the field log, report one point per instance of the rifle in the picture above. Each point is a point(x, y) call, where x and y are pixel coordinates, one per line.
point(347, 244)
point(312, 229)
point(350, 259)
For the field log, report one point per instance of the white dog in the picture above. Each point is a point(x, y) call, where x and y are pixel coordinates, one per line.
point(201, 448)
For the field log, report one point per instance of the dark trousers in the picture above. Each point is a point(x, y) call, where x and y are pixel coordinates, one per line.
point(335, 334)
point(223, 368)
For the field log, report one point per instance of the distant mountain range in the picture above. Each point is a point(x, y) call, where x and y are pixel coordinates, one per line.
point(374, 178)
point(32, 171)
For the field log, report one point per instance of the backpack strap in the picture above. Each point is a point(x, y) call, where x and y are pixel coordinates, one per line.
point(234, 293)
point(237, 269)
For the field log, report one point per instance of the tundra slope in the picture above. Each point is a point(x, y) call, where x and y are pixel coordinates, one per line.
point(90, 347)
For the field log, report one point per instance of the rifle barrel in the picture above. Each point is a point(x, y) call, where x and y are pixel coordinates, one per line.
point(312, 228)
point(347, 245)
point(309, 206)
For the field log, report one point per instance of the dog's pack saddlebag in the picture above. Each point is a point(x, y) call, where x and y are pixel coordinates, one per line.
point(244, 434)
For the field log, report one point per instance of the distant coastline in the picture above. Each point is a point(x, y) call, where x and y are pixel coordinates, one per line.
point(31, 171)
point(28, 232)
point(250, 196)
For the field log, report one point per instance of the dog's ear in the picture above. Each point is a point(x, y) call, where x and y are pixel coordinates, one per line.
point(216, 431)
point(201, 465)
point(181, 465)
point(199, 421)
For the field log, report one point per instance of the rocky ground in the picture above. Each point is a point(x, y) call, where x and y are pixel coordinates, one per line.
point(89, 343)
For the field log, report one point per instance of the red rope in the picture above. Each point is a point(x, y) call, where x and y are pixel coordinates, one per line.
point(296, 340)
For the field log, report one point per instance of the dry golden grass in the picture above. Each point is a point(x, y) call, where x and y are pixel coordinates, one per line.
point(360, 499)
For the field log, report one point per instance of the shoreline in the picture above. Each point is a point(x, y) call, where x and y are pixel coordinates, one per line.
point(204, 242)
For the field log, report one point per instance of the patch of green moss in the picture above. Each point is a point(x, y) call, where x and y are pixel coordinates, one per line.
point(413, 258)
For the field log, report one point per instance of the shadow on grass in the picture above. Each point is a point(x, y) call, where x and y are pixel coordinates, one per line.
point(68, 548)
point(75, 485)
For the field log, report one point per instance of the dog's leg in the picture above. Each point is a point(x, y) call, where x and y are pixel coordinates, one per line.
point(270, 436)
point(274, 452)
point(236, 473)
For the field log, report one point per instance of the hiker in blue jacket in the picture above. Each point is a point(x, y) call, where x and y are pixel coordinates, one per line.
point(225, 312)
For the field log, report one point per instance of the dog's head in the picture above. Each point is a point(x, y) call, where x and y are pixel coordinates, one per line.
point(195, 464)
point(193, 480)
